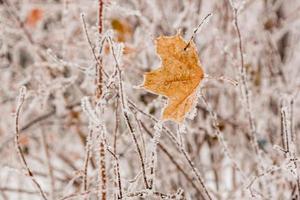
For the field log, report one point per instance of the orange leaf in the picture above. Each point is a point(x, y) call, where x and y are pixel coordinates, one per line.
point(122, 28)
point(177, 78)
point(33, 17)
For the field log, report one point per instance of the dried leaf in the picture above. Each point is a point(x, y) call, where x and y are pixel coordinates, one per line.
point(122, 28)
point(33, 17)
point(124, 33)
point(177, 78)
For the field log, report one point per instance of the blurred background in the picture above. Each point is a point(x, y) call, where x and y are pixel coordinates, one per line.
point(239, 142)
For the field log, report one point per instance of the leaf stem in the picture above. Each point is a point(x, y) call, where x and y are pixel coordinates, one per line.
point(195, 31)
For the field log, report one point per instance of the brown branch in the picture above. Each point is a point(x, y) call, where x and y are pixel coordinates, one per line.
point(99, 67)
point(100, 16)
point(102, 170)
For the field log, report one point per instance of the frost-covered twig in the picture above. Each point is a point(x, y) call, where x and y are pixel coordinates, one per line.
point(173, 160)
point(92, 47)
point(21, 99)
point(195, 31)
point(245, 87)
point(88, 147)
point(76, 195)
point(180, 147)
point(155, 141)
point(289, 138)
point(150, 193)
point(269, 171)
point(49, 165)
point(116, 128)
point(141, 134)
point(220, 136)
point(98, 126)
point(99, 62)
point(125, 112)
point(117, 173)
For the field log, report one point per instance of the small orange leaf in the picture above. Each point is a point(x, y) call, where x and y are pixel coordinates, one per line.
point(177, 78)
point(33, 17)
point(124, 34)
point(122, 28)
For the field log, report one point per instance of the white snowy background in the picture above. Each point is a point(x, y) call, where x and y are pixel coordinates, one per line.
point(241, 140)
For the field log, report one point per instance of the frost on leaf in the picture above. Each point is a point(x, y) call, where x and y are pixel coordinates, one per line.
point(177, 78)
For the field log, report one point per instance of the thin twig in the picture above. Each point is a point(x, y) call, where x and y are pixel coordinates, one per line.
point(148, 193)
point(220, 136)
point(173, 160)
point(245, 88)
point(195, 31)
point(140, 134)
point(117, 121)
point(289, 137)
point(117, 173)
point(222, 78)
point(49, 165)
point(76, 195)
point(180, 147)
point(19, 190)
point(97, 59)
point(34, 122)
point(86, 160)
point(21, 100)
point(153, 161)
point(126, 114)
point(11, 9)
